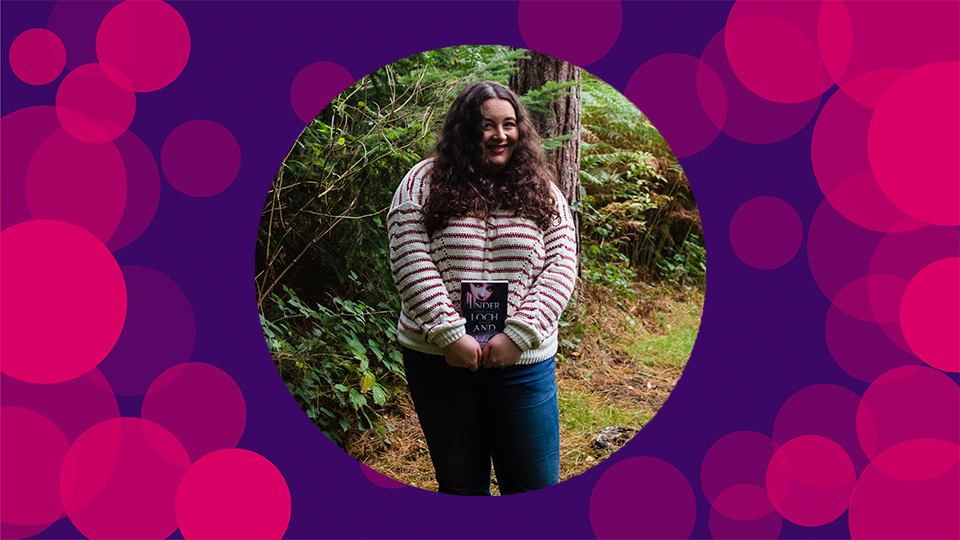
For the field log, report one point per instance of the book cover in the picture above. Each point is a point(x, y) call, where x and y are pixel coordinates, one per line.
point(484, 306)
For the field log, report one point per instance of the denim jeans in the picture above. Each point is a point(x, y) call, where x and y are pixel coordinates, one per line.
point(508, 415)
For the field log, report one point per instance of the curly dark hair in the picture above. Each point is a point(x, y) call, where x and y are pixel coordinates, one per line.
point(461, 185)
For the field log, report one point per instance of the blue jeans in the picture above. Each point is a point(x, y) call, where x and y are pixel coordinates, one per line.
point(508, 415)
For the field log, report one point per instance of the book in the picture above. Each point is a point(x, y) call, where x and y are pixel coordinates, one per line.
point(484, 305)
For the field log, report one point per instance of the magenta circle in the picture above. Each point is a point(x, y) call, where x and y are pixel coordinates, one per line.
point(867, 89)
point(682, 79)
point(21, 133)
point(930, 314)
point(766, 232)
point(77, 182)
point(185, 163)
point(863, 349)
point(810, 480)
point(51, 263)
point(233, 493)
point(37, 56)
point(918, 459)
point(143, 190)
point(379, 479)
point(829, 234)
point(76, 24)
point(598, 26)
point(744, 502)
point(200, 404)
point(158, 313)
point(926, 104)
point(120, 478)
point(834, 37)
point(765, 528)
point(92, 106)
point(315, 86)
point(670, 510)
point(872, 298)
point(147, 41)
point(31, 467)
point(737, 458)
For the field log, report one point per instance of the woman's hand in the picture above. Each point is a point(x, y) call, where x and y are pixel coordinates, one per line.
point(500, 351)
point(464, 353)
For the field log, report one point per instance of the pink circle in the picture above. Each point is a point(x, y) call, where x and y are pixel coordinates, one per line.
point(50, 263)
point(766, 232)
point(884, 506)
point(834, 37)
point(682, 80)
point(831, 233)
point(911, 402)
point(379, 479)
point(810, 480)
point(930, 314)
point(30, 467)
point(926, 104)
point(120, 478)
point(669, 511)
point(315, 86)
point(765, 528)
point(185, 161)
point(21, 133)
point(867, 89)
point(92, 106)
point(37, 56)
point(737, 458)
point(233, 493)
point(598, 26)
point(143, 190)
point(80, 183)
point(863, 349)
point(200, 404)
point(147, 41)
point(918, 459)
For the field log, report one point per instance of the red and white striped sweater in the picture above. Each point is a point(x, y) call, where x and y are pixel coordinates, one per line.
point(540, 266)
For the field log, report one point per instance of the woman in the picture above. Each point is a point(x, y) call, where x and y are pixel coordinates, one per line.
point(484, 208)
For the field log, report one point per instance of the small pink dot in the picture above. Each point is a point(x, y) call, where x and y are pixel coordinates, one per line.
point(185, 158)
point(930, 314)
point(37, 56)
point(766, 232)
point(315, 86)
point(92, 106)
point(598, 26)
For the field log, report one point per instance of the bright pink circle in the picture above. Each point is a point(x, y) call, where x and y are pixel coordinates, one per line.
point(37, 56)
point(185, 161)
point(810, 480)
point(120, 478)
point(315, 86)
point(766, 232)
point(92, 106)
point(200, 404)
point(233, 493)
point(669, 511)
point(147, 41)
point(930, 314)
point(77, 182)
point(737, 458)
point(21, 133)
point(30, 467)
point(598, 26)
point(51, 263)
point(906, 403)
point(143, 190)
point(926, 104)
point(379, 479)
point(918, 459)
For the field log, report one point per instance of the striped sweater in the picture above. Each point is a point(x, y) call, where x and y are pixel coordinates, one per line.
point(539, 265)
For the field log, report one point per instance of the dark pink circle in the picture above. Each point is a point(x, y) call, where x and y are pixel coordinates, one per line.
point(867, 89)
point(9, 531)
point(737, 458)
point(810, 480)
point(744, 502)
point(92, 106)
point(143, 190)
point(926, 104)
point(21, 133)
point(380, 479)
point(669, 511)
point(911, 402)
point(147, 41)
point(682, 78)
point(30, 467)
point(930, 314)
point(834, 37)
point(830, 234)
point(884, 506)
point(77, 182)
point(200, 404)
point(233, 493)
point(766, 232)
point(76, 24)
point(51, 263)
point(861, 348)
point(765, 528)
point(37, 56)
point(120, 479)
point(315, 86)
point(185, 161)
point(598, 26)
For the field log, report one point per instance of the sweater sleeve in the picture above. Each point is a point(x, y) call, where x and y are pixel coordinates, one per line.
point(539, 313)
point(425, 301)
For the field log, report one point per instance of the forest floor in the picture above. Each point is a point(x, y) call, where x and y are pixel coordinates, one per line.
point(619, 360)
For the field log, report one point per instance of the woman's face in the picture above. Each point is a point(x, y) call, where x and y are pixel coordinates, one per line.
point(499, 133)
point(481, 291)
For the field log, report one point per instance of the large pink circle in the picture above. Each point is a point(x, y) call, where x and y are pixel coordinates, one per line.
point(598, 26)
point(930, 314)
point(37, 56)
point(810, 480)
point(30, 467)
point(51, 263)
point(120, 479)
point(147, 41)
point(315, 86)
point(669, 511)
point(766, 232)
point(737, 458)
point(185, 161)
point(233, 493)
point(21, 133)
point(924, 103)
point(92, 106)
